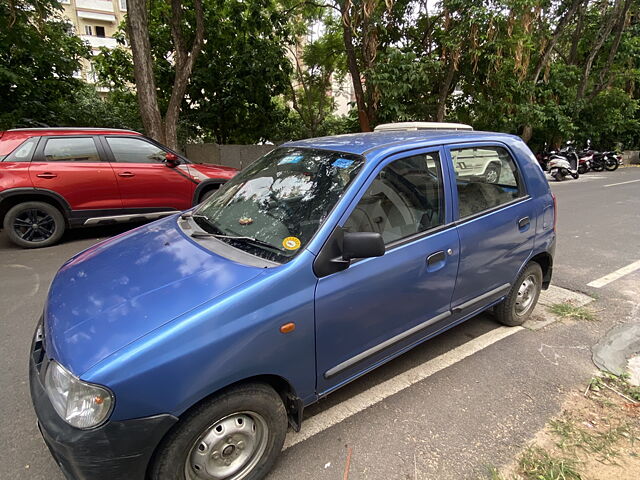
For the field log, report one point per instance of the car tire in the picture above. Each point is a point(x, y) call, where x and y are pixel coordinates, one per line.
point(235, 435)
point(522, 298)
point(34, 224)
point(492, 173)
point(207, 194)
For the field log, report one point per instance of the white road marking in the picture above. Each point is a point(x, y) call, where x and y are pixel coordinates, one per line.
point(621, 183)
point(366, 399)
point(621, 272)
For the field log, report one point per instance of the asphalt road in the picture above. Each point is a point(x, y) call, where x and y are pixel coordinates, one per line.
point(468, 412)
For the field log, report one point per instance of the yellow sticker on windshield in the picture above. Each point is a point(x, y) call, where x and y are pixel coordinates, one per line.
point(291, 243)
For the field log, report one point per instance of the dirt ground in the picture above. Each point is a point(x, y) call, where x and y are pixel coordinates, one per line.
point(597, 435)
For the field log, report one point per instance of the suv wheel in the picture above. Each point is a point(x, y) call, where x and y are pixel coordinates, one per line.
point(34, 224)
point(523, 296)
point(492, 173)
point(236, 435)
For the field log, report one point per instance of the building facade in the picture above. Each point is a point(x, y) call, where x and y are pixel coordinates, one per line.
point(95, 22)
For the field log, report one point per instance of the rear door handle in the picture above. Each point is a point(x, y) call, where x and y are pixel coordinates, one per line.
point(435, 258)
point(126, 174)
point(46, 175)
point(523, 222)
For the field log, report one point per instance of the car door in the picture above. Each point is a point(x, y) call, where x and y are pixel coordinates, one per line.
point(73, 167)
point(379, 306)
point(494, 224)
point(144, 178)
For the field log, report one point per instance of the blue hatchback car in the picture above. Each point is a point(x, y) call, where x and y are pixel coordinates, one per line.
point(184, 348)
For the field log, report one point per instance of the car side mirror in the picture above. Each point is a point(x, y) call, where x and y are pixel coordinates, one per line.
point(362, 245)
point(342, 246)
point(171, 160)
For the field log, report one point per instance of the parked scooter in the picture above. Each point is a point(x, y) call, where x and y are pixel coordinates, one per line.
point(605, 161)
point(564, 163)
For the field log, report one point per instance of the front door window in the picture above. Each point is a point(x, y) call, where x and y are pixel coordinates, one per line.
point(404, 199)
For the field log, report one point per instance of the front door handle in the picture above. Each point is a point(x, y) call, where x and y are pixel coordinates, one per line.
point(435, 258)
point(126, 174)
point(523, 222)
point(46, 175)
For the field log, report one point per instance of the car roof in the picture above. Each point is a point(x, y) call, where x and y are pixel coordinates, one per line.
point(366, 143)
point(10, 139)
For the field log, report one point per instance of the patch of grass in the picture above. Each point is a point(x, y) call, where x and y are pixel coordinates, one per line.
point(603, 444)
point(619, 383)
point(567, 310)
point(538, 464)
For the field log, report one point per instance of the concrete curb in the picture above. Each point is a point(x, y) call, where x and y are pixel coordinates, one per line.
point(541, 317)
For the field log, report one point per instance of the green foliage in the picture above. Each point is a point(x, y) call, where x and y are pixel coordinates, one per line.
point(242, 69)
point(38, 59)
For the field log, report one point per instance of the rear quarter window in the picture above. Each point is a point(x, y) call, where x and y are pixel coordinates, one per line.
point(23, 152)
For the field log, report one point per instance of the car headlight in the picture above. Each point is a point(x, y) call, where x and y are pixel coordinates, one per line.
point(80, 404)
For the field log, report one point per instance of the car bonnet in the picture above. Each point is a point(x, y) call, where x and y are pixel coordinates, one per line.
point(120, 290)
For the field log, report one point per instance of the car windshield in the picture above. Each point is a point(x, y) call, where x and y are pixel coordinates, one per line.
point(276, 205)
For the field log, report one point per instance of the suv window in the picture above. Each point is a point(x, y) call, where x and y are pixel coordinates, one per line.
point(405, 198)
point(486, 177)
point(24, 152)
point(71, 149)
point(135, 150)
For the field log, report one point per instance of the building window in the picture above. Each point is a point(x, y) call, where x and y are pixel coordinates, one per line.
point(123, 5)
point(88, 30)
point(65, 2)
point(100, 32)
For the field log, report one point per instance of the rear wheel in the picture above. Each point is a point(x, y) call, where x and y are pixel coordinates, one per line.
point(492, 173)
point(236, 435)
point(34, 224)
point(611, 164)
point(523, 296)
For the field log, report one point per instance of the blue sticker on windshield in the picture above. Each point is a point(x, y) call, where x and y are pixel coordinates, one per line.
point(342, 163)
point(290, 159)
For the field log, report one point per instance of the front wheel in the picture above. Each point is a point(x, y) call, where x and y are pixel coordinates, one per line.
point(611, 164)
point(523, 296)
point(34, 224)
point(492, 173)
point(236, 435)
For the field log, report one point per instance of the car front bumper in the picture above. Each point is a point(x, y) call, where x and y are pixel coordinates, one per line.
point(115, 450)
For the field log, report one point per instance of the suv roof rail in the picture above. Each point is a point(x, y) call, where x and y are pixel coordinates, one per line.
point(87, 129)
point(412, 126)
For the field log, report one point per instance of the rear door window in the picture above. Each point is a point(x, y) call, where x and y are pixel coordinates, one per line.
point(486, 177)
point(71, 149)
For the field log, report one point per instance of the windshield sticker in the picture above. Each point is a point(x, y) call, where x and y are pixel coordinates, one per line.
point(342, 163)
point(291, 159)
point(291, 243)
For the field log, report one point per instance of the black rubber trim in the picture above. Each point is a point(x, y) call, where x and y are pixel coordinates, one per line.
point(384, 345)
point(491, 293)
point(36, 191)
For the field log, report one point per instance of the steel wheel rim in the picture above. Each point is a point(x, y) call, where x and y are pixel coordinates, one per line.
point(526, 295)
point(34, 225)
point(229, 449)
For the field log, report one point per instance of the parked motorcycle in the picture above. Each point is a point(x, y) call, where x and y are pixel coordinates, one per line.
point(609, 161)
point(564, 163)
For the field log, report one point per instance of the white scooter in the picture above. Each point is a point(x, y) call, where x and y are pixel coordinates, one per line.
point(563, 164)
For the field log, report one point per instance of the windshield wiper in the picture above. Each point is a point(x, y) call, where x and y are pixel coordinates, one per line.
point(233, 237)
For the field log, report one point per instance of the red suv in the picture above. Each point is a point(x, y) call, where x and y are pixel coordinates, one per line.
point(57, 178)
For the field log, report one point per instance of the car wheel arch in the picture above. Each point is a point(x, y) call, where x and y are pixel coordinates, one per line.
point(9, 199)
point(204, 187)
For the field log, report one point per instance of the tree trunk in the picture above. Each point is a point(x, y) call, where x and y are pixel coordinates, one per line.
point(605, 80)
point(445, 86)
point(546, 53)
point(138, 31)
point(603, 33)
point(577, 36)
point(527, 133)
point(352, 63)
